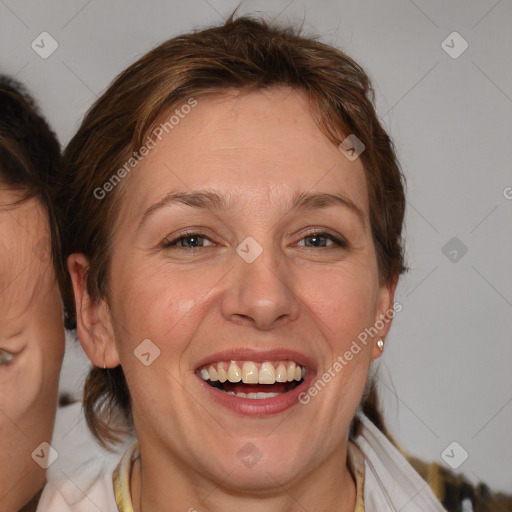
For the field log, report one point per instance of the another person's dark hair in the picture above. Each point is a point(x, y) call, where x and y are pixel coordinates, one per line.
point(31, 163)
point(243, 55)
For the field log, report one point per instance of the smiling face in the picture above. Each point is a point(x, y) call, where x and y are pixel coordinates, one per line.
point(185, 276)
point(31, 346)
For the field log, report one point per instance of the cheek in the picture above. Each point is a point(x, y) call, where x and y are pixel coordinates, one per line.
point(343, 301)
point(163, 304)
point(48, 328)
point(28, 399)
point(20, 386)
point(29, 385)
point(46, 332)
point(162, 307)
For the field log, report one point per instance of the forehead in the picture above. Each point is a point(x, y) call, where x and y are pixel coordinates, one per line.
point(262, 145)
point(24, 252)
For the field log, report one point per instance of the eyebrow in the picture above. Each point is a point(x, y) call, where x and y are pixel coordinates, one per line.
point(214, 201)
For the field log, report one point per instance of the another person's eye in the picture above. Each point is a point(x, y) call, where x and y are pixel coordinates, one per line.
point(187, 241)
point(320, 239)
point(6, 357)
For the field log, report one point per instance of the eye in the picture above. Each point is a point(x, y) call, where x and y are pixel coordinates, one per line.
point(6, 357)
point(187, 241)
point(194, 240)
point(320, 239)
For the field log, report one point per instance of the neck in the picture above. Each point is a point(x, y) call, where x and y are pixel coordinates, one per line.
point(154, 485)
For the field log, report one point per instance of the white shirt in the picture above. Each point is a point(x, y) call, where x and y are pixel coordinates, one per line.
point(390, 482)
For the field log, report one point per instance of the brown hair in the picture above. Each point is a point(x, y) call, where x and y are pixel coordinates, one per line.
point(30, 161)
point(243, 54)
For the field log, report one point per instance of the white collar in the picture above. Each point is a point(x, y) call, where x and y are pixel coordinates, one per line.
point(391, 483)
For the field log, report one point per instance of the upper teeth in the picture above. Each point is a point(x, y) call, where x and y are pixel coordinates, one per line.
point(250, 372)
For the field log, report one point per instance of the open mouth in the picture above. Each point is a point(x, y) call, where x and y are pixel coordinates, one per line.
point(255, 391)
point(257, 381)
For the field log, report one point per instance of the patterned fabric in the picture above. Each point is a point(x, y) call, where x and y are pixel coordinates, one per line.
point(121, 477)
point(452, 490)
point(456, 493)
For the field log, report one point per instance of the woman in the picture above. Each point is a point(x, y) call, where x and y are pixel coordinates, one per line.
point(32, 334)
point(234, 243)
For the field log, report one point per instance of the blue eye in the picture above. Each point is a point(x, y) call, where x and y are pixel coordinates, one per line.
point(320, 239)
point(187, 241)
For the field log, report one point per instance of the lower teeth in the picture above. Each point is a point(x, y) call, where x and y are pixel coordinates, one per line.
point(255, 396)
point(260, 395)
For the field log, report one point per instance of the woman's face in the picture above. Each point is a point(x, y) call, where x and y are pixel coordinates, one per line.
point(31, 347)
point(249, 283)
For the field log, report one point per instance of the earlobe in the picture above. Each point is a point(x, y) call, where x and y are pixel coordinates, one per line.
point(378, 348)
point(93, 321)
point(385, 314)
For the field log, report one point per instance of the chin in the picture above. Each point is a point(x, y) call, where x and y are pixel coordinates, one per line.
point(256, 465)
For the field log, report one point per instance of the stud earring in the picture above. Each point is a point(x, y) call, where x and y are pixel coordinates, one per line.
point(380, 344)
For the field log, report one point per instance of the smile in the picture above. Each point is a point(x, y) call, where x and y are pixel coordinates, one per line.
point(250, 372)
point(255, 388)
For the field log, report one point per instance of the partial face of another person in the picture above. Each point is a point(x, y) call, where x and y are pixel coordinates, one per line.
point(241, 275)
point(31, 346)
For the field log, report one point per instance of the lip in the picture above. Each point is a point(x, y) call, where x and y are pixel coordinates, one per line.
point(259, 356)
point(258, 407)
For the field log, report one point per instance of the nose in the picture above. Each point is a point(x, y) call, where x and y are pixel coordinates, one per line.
point(260, 293)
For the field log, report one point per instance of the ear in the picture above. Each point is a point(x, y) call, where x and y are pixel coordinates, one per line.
point(93, 318)
point(386, 311)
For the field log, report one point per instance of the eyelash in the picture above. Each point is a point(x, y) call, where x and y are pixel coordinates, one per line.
point(340, 242)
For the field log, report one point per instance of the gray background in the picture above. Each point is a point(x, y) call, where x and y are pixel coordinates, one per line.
point(445, 375)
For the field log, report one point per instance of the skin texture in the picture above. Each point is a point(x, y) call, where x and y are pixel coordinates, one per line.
point(261, 148)
point(32, 328)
